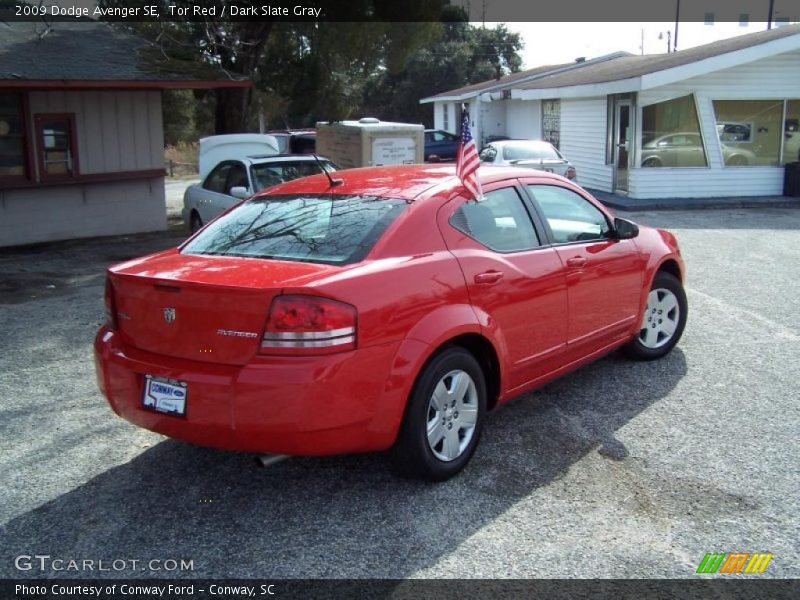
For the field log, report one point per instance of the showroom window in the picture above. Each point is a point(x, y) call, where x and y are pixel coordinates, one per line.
point(791, 132)
point(750, 131)
point(12, 137)
point(671, 135)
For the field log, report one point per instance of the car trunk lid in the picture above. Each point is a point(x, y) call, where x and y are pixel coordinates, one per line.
point(210, 309)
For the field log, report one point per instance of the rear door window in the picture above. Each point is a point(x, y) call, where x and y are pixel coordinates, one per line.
point(215, 182)
point(310, 228)
point(499, 221)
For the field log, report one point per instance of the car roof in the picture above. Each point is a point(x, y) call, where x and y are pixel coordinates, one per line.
point(519, 143)
point(407, 182)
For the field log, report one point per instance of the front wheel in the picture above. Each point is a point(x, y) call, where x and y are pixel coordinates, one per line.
point(443, 419)
point(663, 320)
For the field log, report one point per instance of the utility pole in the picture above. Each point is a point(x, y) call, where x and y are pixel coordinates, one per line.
point(771, 11)
point(677, 20)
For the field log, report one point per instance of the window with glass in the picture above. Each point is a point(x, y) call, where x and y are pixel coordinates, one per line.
point(571, 217)
point(56, 148)
point(671, 135)
point(551, 121)
point(216, 180)
point(445, 118)
point(791, 132)
point(12, 138)
point(750, 131)
point(265, 175)
point(499, 221)
point(318, 228)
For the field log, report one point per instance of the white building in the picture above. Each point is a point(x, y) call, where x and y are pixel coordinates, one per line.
point(711, 121)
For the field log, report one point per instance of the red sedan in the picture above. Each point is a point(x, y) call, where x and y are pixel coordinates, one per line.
point(386, 309)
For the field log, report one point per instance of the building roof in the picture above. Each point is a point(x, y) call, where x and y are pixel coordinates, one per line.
point(506, 81)
point(514, 80)
point(93, 54)
point(627, 67)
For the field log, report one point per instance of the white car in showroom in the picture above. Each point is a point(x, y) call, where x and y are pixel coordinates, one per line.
point(533, 154)
point(233, 167)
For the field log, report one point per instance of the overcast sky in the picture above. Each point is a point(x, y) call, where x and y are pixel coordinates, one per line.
point(553, 43)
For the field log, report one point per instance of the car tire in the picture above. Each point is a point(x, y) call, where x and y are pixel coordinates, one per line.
point(443, 418)
point(663, 320)
point(651, 162)
point(195, 222)
point(737, 160)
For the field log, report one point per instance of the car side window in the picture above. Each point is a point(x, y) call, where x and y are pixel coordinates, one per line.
point(215, 182)
point(237, 177)
point(570, 216)
point(488, 154)
point(499, 221)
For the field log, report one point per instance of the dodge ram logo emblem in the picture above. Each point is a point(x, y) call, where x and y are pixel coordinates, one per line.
point(169, 314)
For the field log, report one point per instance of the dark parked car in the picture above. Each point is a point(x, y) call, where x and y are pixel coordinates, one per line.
point(440, 145)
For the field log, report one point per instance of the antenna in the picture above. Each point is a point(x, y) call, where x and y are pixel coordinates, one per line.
point(334, 182)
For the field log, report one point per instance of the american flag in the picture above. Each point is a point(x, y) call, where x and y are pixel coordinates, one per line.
point(467, 161)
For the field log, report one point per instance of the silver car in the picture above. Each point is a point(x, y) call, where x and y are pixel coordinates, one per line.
point(233, 180)
point(533, 154)
point(685, 149)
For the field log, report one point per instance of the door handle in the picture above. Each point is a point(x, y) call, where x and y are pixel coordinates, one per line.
point(488, 277)
point(576, 262)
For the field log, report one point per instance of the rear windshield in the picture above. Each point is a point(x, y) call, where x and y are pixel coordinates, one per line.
point(310, 228)
point(529, 151)
point(268, 174)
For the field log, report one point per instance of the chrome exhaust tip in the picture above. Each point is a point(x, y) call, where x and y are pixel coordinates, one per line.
point(265, 460)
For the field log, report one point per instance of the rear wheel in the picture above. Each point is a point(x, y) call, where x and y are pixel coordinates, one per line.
point(443, 418)
point(663, 320)
point(195, 222)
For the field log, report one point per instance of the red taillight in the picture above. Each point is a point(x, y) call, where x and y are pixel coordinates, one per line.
point(309, 325)
point(111, 309)
point(571, 173)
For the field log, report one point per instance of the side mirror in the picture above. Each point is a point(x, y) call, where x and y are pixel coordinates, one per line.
point(625, 229)
point(240, 192)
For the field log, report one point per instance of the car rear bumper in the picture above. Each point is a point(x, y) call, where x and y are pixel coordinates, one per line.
point(316, 405)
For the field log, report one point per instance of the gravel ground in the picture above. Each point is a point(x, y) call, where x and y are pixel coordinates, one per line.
point(621, 469)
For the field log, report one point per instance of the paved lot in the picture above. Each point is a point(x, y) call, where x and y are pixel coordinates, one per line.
point(619, 470)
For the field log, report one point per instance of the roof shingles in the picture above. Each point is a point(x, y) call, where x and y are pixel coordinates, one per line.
point(86, 51)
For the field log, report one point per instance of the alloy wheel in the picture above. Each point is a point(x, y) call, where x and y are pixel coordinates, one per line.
point(452, 415)
point(661, 318)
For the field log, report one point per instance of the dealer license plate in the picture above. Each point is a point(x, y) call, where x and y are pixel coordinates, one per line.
point(164, 395)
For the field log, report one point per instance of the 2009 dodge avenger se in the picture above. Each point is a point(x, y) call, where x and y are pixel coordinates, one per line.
point(384, 309)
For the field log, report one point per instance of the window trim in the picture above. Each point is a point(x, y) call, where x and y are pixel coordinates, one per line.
point(27, 148)
point(546, 225)
point(38, 122)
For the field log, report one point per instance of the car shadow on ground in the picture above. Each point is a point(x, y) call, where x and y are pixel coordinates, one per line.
point(344, 516)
